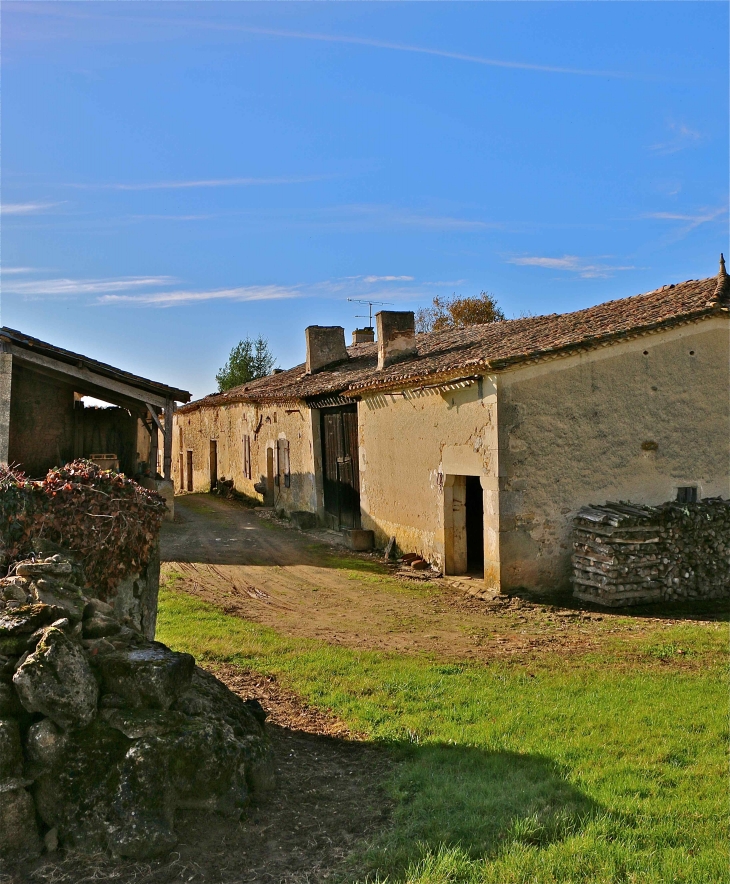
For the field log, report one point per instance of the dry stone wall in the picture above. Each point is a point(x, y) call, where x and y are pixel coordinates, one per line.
point(105, 734)
point(625, 554)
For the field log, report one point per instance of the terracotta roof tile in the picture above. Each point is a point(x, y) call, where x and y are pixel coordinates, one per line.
point(492, 347)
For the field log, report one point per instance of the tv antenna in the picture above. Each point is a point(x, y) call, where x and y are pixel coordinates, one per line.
point(370, 304)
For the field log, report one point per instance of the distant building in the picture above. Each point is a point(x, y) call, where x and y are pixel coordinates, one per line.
point(475, 447)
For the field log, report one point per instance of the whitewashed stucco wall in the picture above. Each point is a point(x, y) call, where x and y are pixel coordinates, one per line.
point(632, 421)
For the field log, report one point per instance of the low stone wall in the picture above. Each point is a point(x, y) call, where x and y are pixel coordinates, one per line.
point(624, 554)
point(104, 734)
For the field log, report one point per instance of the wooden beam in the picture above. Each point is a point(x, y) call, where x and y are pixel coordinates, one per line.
point(167, 455)
point(155, 418)
point(87, 376)
point(135, 406)
point(6, 377)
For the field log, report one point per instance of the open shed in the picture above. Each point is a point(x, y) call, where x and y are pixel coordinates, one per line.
point(44, 423)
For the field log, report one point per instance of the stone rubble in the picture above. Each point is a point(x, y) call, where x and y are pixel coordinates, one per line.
point(104, 733)
point(626, 554)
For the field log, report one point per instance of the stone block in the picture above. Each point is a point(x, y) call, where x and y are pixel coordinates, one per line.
point(56, 680)
point(18, 831)
point(303, 519)
point(153, 676)
point(359, 539)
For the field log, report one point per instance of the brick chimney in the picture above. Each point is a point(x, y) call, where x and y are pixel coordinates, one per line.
point(396, 336)
point(325, 346)
point(363, 335)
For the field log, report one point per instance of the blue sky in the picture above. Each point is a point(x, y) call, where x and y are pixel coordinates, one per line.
point(176, 177)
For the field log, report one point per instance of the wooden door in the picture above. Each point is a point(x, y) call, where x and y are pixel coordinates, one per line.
point(213, 464)
point(269, 496)
point(190, 471)
point(341, 477)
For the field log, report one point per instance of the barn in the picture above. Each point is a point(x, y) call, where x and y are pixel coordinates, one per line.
point(44, 420)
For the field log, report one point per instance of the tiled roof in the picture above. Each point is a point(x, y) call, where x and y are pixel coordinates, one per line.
point(447, 354)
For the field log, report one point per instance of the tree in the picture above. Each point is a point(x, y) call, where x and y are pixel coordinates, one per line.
point(456, 312)
point(248, 360)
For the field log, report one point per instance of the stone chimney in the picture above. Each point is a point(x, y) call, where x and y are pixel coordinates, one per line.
point(325, 346)
point(363, 335)
point(396, 336)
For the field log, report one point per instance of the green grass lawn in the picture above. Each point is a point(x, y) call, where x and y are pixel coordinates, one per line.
point(607, 768)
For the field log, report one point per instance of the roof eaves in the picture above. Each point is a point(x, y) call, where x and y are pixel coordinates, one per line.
point(589, 342)
point(103, 369)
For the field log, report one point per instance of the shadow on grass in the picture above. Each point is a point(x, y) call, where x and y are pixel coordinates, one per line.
point(481, 802)
point(692, 609)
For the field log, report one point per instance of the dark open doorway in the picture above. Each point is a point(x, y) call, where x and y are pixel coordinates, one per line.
point(190, 470)
point(213, 464)
point(474, 526)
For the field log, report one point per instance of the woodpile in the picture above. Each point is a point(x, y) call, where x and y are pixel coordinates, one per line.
point(627, 554)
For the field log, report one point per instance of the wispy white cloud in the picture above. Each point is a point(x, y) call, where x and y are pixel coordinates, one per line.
point(682, 137)
point(179, 298)
point(203, 182)
point(173, 217)
point(368, 216)
point(689, 221)
point(388, 279)
point(14, 270)
point(446, 283)
point(25, 208)
point(173, 23)
point(75, 288)
point(704, 216)
point(426, 50)
point(586, 268)
point(165, 291)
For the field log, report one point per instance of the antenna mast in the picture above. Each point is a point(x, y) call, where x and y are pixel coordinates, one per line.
point(370, 310)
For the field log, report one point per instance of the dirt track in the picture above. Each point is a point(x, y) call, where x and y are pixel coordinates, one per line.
point(278, 576)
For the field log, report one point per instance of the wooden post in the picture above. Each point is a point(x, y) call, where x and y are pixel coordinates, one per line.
point(167, 455)
point(6, 377)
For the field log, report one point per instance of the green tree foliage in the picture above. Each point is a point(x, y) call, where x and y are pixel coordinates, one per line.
point(247, 361)
point(456, 312)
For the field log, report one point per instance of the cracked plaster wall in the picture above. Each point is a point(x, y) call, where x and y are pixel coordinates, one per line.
point(408, 444)
point(227, 425)
point(628, 422)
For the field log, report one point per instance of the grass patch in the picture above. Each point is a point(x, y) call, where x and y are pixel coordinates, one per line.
point(586, 772)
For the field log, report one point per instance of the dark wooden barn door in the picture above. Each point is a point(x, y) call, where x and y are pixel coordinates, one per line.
point(340, 461)
point(213, 464)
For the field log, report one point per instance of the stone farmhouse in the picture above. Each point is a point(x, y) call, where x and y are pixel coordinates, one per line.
point(475, 447)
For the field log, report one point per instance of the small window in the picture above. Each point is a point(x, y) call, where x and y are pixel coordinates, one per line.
point(687, 494)
point(283, 457)
point(247, 456)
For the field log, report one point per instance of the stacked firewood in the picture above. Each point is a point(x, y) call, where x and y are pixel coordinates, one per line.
point(626, 554)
